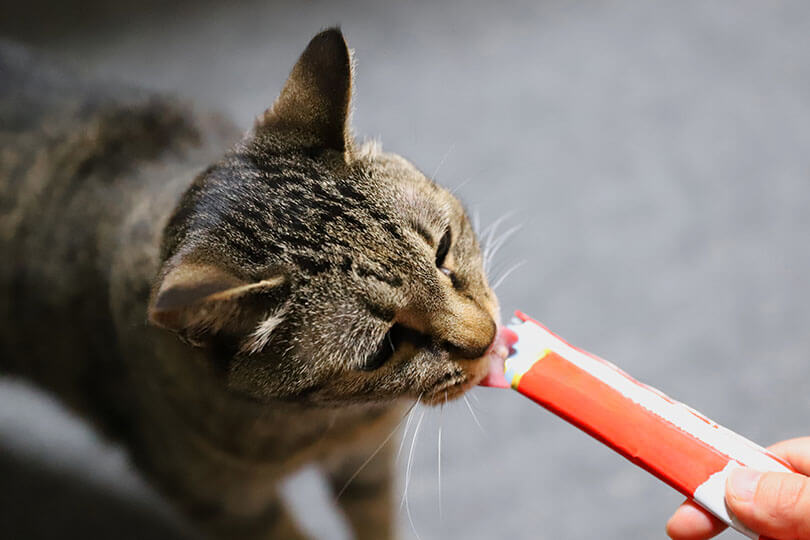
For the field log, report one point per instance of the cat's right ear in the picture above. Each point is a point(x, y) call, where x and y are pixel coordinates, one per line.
point(197, 300)
point(316, 98)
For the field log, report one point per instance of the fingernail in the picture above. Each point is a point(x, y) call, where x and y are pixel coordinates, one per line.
point(742, 483)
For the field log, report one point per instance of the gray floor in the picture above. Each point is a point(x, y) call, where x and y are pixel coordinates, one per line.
point(657, 156)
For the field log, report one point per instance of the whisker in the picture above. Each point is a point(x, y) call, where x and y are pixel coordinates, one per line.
point(375, 452)
point(506, 234)
point(410, 519)
point(507, 273)
point(440, 465)
point(498, 244)
point(486, 237)
point(441, 161)
point(476, 220)
point(472, 412)
point(495, 224)
point(408, 476)
point(491, 242)
point(410, 460)
point(489, 231)
point(486, 241)
point(460, 185)
point(407, 426)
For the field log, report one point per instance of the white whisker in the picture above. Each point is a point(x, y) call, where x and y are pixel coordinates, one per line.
point(489, 231)
point(375, 452)
point(505, 235)
point(441, 161)
point(440, 466)
point(488, 239)
point(507, 273)
point(410, 460)
point(472, 412)
point(476, 220)
point(408, 476)
point(407, 426)
point(460, 185)
point(498, 244)
point(495, 224)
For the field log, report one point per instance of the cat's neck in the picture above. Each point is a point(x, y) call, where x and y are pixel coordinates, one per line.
point(194, 403)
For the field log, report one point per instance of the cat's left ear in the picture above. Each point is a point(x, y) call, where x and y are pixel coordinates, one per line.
point(198, 300)
point(316, 99)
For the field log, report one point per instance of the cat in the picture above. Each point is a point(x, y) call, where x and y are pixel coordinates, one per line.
point(233, 308)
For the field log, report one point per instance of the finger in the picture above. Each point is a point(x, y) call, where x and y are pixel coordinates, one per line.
point(796, 452)
point(773, 504)
point(691, 522)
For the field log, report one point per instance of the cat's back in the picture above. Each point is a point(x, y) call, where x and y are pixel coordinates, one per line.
point(76, 155)
point(33, 89)
point(36, 102)
point(63, 134)
point(59, 128)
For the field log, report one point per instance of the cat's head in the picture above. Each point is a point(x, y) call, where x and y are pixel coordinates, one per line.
point(318, 270)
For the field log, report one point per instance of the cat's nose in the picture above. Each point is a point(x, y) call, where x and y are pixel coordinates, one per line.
point(475, 346)
point(462, 328)
point(466, 352)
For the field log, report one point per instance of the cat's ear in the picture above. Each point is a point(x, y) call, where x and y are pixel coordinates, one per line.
point(316, 98)
point(201, 299)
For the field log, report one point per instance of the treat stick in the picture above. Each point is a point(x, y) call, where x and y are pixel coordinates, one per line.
point(666, 438)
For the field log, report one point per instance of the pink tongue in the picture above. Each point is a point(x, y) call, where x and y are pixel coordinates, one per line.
point(497, 353)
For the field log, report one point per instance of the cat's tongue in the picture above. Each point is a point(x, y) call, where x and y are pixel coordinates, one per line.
point(496, 354)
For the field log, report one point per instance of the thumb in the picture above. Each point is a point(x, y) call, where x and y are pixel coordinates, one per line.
point(773, 504)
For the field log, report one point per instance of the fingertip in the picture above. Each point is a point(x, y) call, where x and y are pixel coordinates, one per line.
point(780, 506)
point(690, 522)
point(796, 452)
point(741, 485)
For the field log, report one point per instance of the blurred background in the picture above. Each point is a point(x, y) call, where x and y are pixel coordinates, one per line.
point(656, 156)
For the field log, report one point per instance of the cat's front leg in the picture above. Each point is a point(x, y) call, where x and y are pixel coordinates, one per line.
point(274, 522)
point(366, 497)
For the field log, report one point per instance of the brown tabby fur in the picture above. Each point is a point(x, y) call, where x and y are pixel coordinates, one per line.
point(232, 322)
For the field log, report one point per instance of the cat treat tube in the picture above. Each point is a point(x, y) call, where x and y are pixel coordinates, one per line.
point(666, 438)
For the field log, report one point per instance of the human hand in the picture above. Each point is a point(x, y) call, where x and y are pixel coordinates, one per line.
point(776, 505)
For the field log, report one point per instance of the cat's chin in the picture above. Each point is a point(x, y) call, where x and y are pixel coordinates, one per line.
point(447, 392)
point(486, 371)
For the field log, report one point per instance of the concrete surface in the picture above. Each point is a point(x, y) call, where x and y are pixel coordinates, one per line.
point(657, 157)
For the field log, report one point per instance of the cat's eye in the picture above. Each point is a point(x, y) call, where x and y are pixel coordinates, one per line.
point(443, 250)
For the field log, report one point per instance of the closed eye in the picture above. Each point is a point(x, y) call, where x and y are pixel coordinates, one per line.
point(441, 254)
point(443, 249)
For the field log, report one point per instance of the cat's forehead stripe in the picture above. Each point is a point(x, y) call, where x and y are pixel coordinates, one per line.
point(387, 276)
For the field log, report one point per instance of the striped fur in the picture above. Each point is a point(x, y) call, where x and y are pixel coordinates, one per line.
point(231, 315)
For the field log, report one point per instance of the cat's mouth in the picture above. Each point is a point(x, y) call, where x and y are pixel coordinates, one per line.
point(462, 376)
point(486, 370)
point(448, 388)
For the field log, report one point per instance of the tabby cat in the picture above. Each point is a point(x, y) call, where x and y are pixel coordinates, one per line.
point(231, 322)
